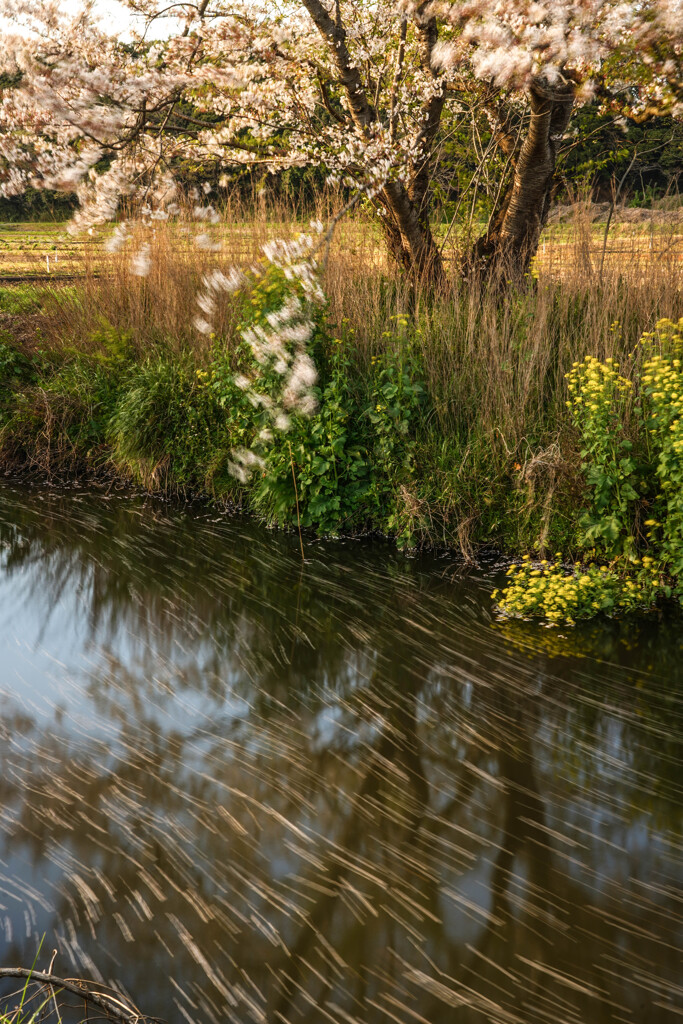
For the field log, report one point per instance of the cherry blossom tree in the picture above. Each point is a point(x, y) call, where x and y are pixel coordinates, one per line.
point(366, 90)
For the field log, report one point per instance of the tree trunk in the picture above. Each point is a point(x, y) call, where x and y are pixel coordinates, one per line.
point(409, 237)
point(406, 218)
point(515, 229)
point(407, 229)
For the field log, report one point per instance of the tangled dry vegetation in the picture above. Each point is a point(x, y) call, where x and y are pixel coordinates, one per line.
point(42, 995)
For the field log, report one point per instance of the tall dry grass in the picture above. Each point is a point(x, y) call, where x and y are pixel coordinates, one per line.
point(159, 309)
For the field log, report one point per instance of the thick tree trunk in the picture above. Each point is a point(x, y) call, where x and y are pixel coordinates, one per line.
point(409, 237)
point(515, 229)
point(411, 207)
point(432, 111)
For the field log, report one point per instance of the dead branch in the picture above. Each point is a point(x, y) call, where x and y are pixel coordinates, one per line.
point(114, 1007)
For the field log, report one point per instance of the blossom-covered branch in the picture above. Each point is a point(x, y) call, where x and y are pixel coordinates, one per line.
point(360, 89)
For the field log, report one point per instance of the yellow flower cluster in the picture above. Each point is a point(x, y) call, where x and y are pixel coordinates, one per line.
point(594, 386)
point(667, 336)
point(551, 592)
point(662, 381)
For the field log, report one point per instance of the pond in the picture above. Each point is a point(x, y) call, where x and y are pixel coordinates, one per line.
point(242, 788)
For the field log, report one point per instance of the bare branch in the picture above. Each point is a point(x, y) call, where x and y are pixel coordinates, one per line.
point(112, 1006)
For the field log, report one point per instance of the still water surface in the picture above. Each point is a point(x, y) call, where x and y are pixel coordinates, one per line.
point(246, 790)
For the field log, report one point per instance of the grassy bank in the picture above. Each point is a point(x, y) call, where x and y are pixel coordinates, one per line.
point(442, 421)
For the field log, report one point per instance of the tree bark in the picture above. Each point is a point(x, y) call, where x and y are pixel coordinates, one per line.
point(334, 33)
point(428, 35)
point(515, 229)
point(409, 237)
point(425, 253)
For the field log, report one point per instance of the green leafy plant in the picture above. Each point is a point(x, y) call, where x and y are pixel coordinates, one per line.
point(397, 399)
point(168, 428)
point(329, 451)
point(598, 396)
point(662, 413)
point(313, 458)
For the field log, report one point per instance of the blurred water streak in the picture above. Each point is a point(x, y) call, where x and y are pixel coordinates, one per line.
point(243, 789)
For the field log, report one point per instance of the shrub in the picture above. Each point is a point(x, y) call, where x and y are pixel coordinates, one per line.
point(624, 477)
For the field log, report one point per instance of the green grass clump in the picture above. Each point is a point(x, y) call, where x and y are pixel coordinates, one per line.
point(166, 427)
point(19, 299)
point(14, 366)
point(57, 411)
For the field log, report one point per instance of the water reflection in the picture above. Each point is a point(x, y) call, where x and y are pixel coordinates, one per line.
point(245, 790)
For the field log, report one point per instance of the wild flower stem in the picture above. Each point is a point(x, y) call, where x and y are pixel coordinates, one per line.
point(296, 498)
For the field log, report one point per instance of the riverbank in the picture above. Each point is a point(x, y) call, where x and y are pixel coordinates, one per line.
point(441, 422)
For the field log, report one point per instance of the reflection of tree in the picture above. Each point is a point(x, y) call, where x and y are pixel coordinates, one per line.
point(651, 641)
point(331, 793)
point(386, 810)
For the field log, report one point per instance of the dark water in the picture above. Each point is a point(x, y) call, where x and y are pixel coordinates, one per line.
point(243, 790)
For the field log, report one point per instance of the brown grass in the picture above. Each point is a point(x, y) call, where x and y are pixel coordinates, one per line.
point(490, 360)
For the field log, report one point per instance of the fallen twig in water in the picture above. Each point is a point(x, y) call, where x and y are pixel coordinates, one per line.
point(113, 1006)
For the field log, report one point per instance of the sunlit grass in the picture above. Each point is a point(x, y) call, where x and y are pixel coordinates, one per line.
point(48, 251)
